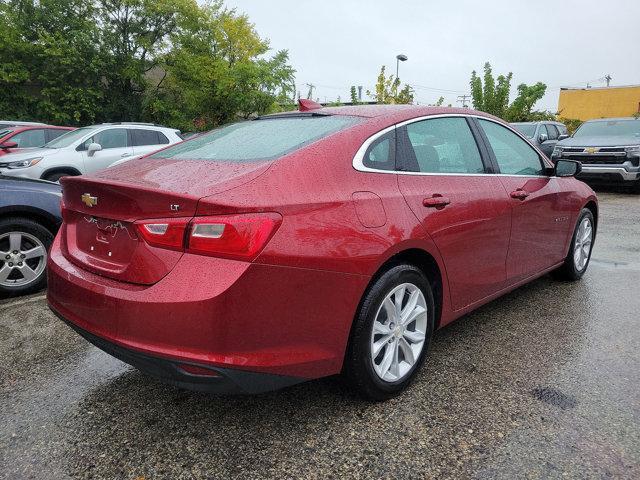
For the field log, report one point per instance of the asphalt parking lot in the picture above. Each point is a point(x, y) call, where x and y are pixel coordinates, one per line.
point(543, 383)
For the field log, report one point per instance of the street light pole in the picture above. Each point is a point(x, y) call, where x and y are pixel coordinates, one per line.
point(400, 58)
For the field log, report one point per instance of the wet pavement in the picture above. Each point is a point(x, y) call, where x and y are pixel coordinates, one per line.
point(542, 383)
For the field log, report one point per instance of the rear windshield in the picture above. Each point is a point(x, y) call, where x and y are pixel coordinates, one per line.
point(256, 140)
point(527, 129)
point(608, 128)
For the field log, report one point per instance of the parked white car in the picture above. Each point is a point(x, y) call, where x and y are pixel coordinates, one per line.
point(87, 150)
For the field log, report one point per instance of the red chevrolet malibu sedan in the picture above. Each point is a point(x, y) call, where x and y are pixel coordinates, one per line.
point(312, 243)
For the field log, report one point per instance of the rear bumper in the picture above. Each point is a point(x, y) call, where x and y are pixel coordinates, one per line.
point(223, 314)
point(220, 380)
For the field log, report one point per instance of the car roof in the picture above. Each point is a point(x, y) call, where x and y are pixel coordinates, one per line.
point(615, 119)
point(396, 113)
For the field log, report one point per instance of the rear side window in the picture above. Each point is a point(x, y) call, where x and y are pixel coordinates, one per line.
point(381, 154)
point(443, 145)
point(258, 140)
point(147, 137)
point(29, 138)
point(513, 154)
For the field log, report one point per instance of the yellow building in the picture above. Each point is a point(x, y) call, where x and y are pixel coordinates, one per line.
point(599, 102)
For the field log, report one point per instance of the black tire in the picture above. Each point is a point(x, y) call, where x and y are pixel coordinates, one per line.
point(358, 370)
point(569, 269)
point(23, 225)
point(56, 176)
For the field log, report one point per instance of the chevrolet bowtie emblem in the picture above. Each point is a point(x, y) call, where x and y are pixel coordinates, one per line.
point(88, 200)
point(591, 150)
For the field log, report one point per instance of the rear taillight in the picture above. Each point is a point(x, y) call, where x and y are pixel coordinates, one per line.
point(240, 236)
point(166, 233)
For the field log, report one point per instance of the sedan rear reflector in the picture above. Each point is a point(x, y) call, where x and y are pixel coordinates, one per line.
point(239, 237)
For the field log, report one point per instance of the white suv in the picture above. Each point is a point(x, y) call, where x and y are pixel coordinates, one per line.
point(88, 149)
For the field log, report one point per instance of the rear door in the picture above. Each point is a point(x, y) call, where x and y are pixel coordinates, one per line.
point(115, 146)
point(460, 203)
point(540, 211)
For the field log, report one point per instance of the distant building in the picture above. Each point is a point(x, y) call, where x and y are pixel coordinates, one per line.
point(599, 102)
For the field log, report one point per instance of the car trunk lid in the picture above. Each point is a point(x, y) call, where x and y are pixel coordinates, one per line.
point(99, 231)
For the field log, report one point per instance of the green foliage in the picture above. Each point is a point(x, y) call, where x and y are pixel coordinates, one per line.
point(491, 96)
point(170, 61)
point(488, 95)
point(520, 109)
point(354, 95)
point(388, 90)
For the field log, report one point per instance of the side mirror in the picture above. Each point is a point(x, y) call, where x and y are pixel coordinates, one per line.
point(543, 137)
point(562, 136)
point(568, 168)
point(8, 144)
point(93, 148)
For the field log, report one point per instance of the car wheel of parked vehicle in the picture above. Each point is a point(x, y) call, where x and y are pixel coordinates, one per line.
point(55, 177)
point(579, 254)
point(391, 333)
point(23, 255)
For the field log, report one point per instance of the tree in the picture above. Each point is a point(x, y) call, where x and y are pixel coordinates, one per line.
point(50, 63)
point(388, 90)
point(354, 95)
point(217, 70)
point(520, 109)
point(490, 96)
point(172, 61)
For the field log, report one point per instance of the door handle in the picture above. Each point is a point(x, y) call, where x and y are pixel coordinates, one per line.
point(436, 201)
point(125, 155)
point(520, 194)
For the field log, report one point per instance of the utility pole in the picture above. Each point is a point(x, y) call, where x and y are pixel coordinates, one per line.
point(463, 99)
point(607, 78)
point(311, 87)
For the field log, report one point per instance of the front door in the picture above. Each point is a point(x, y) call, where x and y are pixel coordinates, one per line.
point(115, 146)
point(540, 219)
point(461, 206)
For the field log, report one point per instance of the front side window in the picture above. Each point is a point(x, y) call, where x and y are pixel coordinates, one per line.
point(258, 140)
point(442, 145)
point(553, 132)
point(112, 138)
point(513, 155)
point(29, 138)
point(543, 131)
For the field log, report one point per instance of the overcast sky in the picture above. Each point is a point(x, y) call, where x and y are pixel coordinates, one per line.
point(335, 44)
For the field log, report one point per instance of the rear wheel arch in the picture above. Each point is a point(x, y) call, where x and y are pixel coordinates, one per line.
point(43, 218)
point(428, 265)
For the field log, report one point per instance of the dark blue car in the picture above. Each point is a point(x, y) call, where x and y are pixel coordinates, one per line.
point(29, 220)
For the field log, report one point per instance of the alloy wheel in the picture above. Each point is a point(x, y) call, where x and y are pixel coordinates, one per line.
point(23, 258)
point(582, 246)
point(399, 332)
